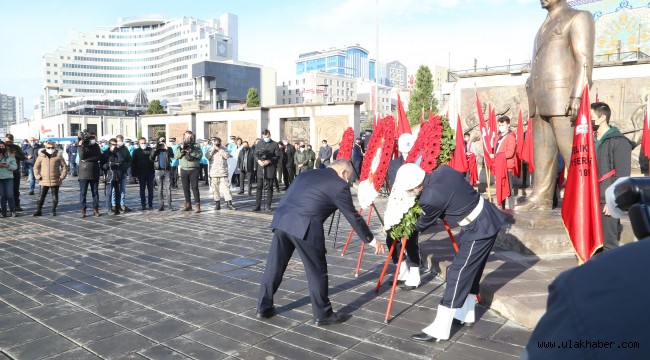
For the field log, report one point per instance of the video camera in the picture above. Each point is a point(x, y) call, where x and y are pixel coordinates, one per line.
point(631, 195)
point(263, 154)
point(84, 137)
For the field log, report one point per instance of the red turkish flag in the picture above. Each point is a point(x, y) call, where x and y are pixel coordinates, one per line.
point(403, 125)
point(520, 135)
point(528, 150)
point(645, 140)
point(473, 169)
point(459, 160)
point(581, 208)
point(501, 180)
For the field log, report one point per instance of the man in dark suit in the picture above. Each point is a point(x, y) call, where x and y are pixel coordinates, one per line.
point(562, 64)
point(290, 174)
point(267, 154)
point(298, 224)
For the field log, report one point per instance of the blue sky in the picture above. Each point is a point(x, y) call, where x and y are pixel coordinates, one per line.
point(273, 33)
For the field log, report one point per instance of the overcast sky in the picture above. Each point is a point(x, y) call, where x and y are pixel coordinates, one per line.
point(273, 33)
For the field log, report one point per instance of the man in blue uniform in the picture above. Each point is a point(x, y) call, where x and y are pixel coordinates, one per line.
point(446, 195)
point(298, 225)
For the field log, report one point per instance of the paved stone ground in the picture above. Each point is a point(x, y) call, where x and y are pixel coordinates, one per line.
point(168, 285)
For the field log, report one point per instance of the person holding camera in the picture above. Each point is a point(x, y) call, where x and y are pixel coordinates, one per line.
point(246, 166)
point(112, 162)
point(8, 165)
point(50, 169)
point(162, 163)
point(89, 155)
point(189, 156)
point(143, 168)
point(17, 152)
point(219, 182)
point(126, 164)
point(267, 155)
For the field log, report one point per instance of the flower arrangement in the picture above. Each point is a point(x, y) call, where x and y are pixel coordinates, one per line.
point(345, 147)
point(376, 161)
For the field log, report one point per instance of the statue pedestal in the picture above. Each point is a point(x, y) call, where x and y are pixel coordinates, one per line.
point(535, 233)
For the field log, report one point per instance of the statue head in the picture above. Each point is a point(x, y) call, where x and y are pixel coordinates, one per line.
point(549, 4)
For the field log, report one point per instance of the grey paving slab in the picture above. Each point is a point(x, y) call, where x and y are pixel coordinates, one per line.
point(149, 285)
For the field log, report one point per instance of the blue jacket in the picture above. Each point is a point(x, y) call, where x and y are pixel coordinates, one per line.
point(205, 150)
point(175, 161)
point(310, 200)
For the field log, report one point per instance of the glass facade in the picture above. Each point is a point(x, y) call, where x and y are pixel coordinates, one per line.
point(351, 62)
point(233, 80)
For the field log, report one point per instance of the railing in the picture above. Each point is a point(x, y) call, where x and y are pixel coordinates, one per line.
point(491, 69)
point(621, 56)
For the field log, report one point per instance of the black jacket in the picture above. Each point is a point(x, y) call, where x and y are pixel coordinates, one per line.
point(614, 152)
point(273, 153)
point(89, 157)
point(290, 152)
point(141, 163)
point(155, 157)
point(33, 151)
point(248, 164)
point(112, 163)
point(310, 200)
point(393, 166)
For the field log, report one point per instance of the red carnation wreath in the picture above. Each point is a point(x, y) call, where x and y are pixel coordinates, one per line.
point(345, 147)
point(378, 155)
point(427, 145)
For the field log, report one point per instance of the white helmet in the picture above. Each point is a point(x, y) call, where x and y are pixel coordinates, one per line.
point(405, 142)
point(409, 176)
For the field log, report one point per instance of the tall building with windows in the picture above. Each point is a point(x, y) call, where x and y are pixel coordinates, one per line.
point(149, 52)
point(349, 61)
point(20, 109)
point(316, 87)
point(7, 111)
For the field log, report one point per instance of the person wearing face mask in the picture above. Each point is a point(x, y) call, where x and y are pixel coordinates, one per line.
point(298, 225)
point(507, 145)
point(128, 144)
point(50, 169)
point(312, 158)
point(246, 166)
point(219, 180)
point(112, 163)
point(89, 155)
point(189, 156)
point(126, 165)
point(480, 222)
point(267, 154)
point(162, 162)
point(614, 158)
point(203, 164)
point(301, 159)
point(15, 151)
point(143, 168)
point(31, 153)
point(324, 154)
point(409, 275)
point(290, 167)
point(357, 158)
point(8, 165)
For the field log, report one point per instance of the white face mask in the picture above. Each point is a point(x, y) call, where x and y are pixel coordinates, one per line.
point(113, 148)
point(503, 128)
point(143, 146)
point(120, 143)
point(49, 151)
point(32, 143)
point(93, 142)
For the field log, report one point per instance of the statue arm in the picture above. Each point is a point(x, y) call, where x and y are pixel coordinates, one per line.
point(582, 43)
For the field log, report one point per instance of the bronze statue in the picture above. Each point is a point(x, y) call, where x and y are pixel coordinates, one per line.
point(562, 63)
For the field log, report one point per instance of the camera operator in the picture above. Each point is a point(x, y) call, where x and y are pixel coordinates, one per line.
point(89, 155)
point(126, 164)
point(162, 163)
point(15, 151)
point(219, 182)
point(189, 155)
point(267, 153)
point(113, 164)
point(143, 167)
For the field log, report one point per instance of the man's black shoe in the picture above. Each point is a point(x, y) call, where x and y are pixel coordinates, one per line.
point(461, 323)
point(266, 314)
point(144, 208)
point(18, 208)
point(31, 193)
point(257, 209)
point(423, 337)
point(334, 318)
point(161, 208)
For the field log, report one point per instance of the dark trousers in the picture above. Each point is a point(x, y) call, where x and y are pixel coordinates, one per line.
point(7, 194)
point(16, 189)
point(264, 185)
point(173, 179)
point(113, 188)
point(412, 248)
point(242, 178)
point(190, 180)
point(357, 170)
point(315, 264)
point(510, 199)
point(203, 174)
point(94, 190)
point(611, 233)
point(464, 274)
point(74, 168)
point(146, 180)
point(281, 170)
point(163, 178)
point(289, 174)
point(43, 194)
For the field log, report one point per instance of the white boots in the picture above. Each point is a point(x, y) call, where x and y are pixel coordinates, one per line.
point(413, 280)
point(403, 272)
point(466, 313)
point(440, 328)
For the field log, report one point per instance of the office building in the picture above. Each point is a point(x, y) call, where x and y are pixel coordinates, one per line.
point(349, 61)
point(7, 111)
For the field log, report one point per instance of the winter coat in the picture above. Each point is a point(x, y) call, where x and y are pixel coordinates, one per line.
point(17, 152)
point(33, 152)
point(273, 154)
point(218, 162)
point(357, 153)
point(613, 151)
point(128, 158)
point(188, 160)
point(8, 172)
point(141, 163)
point(113, 163)
point(301, 159)
point(50, 169)
point(508, 146)
point(155, 157)
point(312, 159)
point(89, 157)
point(290, 150)
point(246, 160)
point(175, 161)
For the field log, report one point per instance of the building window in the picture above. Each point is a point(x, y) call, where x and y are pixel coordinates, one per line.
point(289, 100)
point(289, 92)
point(48, 64)
point(283, 101)
point(297, 100)
point(48, 73)
point(283, 92)
point(289, 85)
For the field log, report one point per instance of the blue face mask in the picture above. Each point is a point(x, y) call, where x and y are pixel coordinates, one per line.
point(268, 139)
